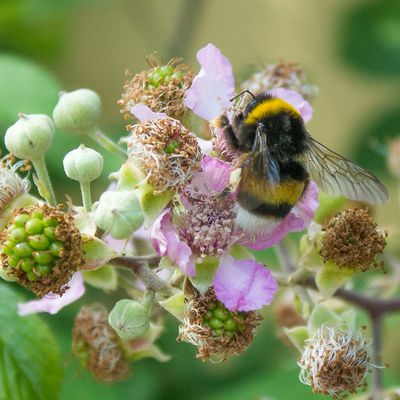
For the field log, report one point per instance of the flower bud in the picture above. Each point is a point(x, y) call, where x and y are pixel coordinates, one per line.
point(119, 213)
point(216, 332)
point(30, 137)
point(77, 112)
point(41, 248)
point(98, 346)
point(83, 164)
point(130, 319)
point(335, 362)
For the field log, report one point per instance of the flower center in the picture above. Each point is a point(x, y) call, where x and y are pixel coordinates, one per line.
point(208, 226)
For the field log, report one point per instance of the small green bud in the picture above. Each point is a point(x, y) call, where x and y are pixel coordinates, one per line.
point(119, 213)
point(77, 112)
point(83, 164)
point(130, 319)
point(30, 137)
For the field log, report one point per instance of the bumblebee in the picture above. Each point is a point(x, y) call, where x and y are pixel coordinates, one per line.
point(279, 158)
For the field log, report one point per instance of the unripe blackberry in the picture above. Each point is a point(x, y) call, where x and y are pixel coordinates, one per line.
point(221, 321)
point(161, 88)
point(41, 247)
point(217, 332)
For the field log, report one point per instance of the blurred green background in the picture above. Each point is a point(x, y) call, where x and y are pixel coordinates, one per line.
point(350, 49)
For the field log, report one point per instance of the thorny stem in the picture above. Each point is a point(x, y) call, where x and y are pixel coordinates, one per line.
point(376, 309)
point(104, 141)
point(140, 266)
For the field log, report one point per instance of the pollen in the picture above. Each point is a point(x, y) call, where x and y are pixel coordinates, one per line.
point(97, 345)
point(351, 239)
point(216, 332)
point(335, 362)
point(166, 151)
point(161, 88)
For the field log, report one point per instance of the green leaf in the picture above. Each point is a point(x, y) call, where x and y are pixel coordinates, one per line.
point(105, 278)
point(322, 315)
point(297, 335)
point(30, 360)
point(330, 278)
point(152, 204)
point(205, 272)
point(175, 305)
point(241, 252)
point(96, 253)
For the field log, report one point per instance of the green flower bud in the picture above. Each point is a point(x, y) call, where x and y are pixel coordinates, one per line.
point(30, 137)
point(130, 319)
point(83, 164)
point(77, 112)
point(119, 213)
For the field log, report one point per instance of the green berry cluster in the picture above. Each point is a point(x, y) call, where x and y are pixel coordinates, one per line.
point(31, 245)
point(223, 322)
point(162, 76)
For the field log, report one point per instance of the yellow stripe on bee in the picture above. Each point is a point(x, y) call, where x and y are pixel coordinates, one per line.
point(288, 191)
point(268, 108)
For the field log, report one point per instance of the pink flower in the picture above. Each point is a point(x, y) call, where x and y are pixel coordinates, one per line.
point(213, 86)
point(243, 285)
point(52, 303)
point(166, 242)
point(213, 177)
point(144, 113)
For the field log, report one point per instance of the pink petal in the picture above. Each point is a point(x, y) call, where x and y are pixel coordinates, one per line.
point(213, 177)
point(296, 100)
point(213, 86)
point(297, 220)
point(166, 242)
point(144, 113)
point(243, 285)
point(52, 303)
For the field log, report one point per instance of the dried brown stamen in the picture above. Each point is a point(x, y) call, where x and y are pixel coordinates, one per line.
point(98, 346)
point(167, 152)
point(352, 240)
point(161, 88)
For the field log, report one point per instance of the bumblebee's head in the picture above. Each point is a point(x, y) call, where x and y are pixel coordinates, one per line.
point(277, 119)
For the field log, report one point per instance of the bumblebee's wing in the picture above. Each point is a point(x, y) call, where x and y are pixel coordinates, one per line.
point(337, 175)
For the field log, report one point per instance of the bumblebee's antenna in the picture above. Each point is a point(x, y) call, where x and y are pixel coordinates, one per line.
point(242, 93)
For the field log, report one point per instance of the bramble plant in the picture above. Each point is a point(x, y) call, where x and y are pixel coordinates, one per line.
point(169, 217)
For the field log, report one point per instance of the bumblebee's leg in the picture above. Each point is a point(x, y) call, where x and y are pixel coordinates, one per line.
point(230, 138)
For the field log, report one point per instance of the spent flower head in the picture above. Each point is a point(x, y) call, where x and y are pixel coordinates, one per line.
point(42, 248)
point(166, 151)
point(335, 361)
point(351, 239)
point(216, 332)
point(97, 345)
point(281, 75)
point(162, 88)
